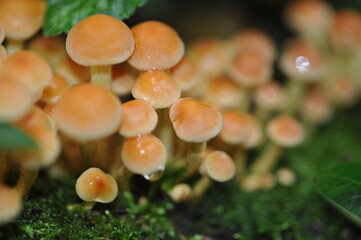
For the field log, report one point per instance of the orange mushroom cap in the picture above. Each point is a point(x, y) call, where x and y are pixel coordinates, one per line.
point(219, 166)
point(55, 89)
point(138, 117)
point(156, 87)
point(185, 74)
point(285, 131)
point(99, 40)
point(157, 46)
point(123, 79)
point(144, 154)
point(88, 112)
point(15, 100)
point(96, 185)
point(235, 127)
point(71, 71)
point(28, 68)
point(270, 96)
point(21, 18)
point(194, 121)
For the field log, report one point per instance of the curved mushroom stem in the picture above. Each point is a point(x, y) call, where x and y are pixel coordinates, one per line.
point(13, 46)
point(195, 155)
point(200, 188)
point(26, 179)
point(101, 75)
point(296, 90)
point(267, 160)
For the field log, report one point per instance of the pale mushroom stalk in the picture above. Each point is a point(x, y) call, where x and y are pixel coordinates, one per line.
point(165, 131)
point(267, 160)
point(296, 89)
point(200, 188)
point(101, 75)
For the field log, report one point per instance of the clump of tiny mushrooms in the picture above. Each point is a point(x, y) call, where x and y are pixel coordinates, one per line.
point(136, 101)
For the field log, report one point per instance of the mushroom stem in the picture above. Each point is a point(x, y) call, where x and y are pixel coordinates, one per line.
point(200, 188)
point(122, 176)
point(267, 160)
point(4, 166)
point(88, 154)
point(13, 46)
point(296, 89)
point(101, 75)
point(239, 156)
point(26, 179)
point(165, 132)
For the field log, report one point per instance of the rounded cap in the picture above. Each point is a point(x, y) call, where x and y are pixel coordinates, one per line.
point(71, 71)
point(250, 68)
point(144, 154)
point(122, 79)
point(34, 118)
point(256, 40)
point(309, 16)
point(138, 118)
point(15, 100)
point(255, 131)
point(96, 185)
point(99, 40)
point(157, 46)
point(185, 74)
point(286, 176)
point(55, 89)
point(181, 193)
point(235, 127)
point(21, 18)
point(342, 91)
point(224, 93)
point(88, 112)
point(194, 121)
point(296, 49)
point(285, 131)
point(29, 68)
point(11, 204)
point(315, 107)
point(270, 96)
point(219, 166)
point(156, 87)
point(345, 33)
point(209, 56)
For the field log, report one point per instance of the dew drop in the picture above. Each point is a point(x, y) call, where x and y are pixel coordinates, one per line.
point(302, 64)
point(154, 176)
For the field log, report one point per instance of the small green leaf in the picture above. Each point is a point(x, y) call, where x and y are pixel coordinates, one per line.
point(62, 15)
point(342, 187)
point(12, 138)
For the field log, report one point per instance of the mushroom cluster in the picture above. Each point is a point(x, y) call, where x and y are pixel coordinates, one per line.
point(136, 101)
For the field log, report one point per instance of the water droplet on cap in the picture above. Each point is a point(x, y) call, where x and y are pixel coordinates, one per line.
point(154, 176)
point(302, 64)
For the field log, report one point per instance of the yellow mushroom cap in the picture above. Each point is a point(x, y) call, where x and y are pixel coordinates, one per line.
point(15, 100)
point(185, 74)
point(219, 166)
point(156, 87)
point(138, 118)
point(285, 131)
point(157, 46)
point(55, 89)
point(10, 204)
point(286, 176)
point(180, 193)
point(88, 112)
point(144, 154)
point(194, 121)
point(99, 40)
point(29, 68)
point(21, 18)
point(96, 185)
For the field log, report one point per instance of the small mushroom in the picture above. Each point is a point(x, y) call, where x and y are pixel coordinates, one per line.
point(10, 204)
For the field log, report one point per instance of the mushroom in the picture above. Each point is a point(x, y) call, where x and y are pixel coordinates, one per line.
point(72, 72)
point(10, 204)
point(284, 132)
point(185, 74)
point(55, 89)
point(286, 176)
point(138, 118)
point(30, 69)
point(156, 87)
point(113, 44)
point(21, 19)
point(145, 155)
point(181, 192)
point(157, 47)
point(95, 185)
point(122, 79)
point(15, 100)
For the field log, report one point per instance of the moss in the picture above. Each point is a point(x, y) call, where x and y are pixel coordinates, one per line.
point(296, 212)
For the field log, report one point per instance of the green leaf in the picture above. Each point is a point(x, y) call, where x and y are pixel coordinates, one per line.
point(342, 187)
point(62, 15)
point(12, 138)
